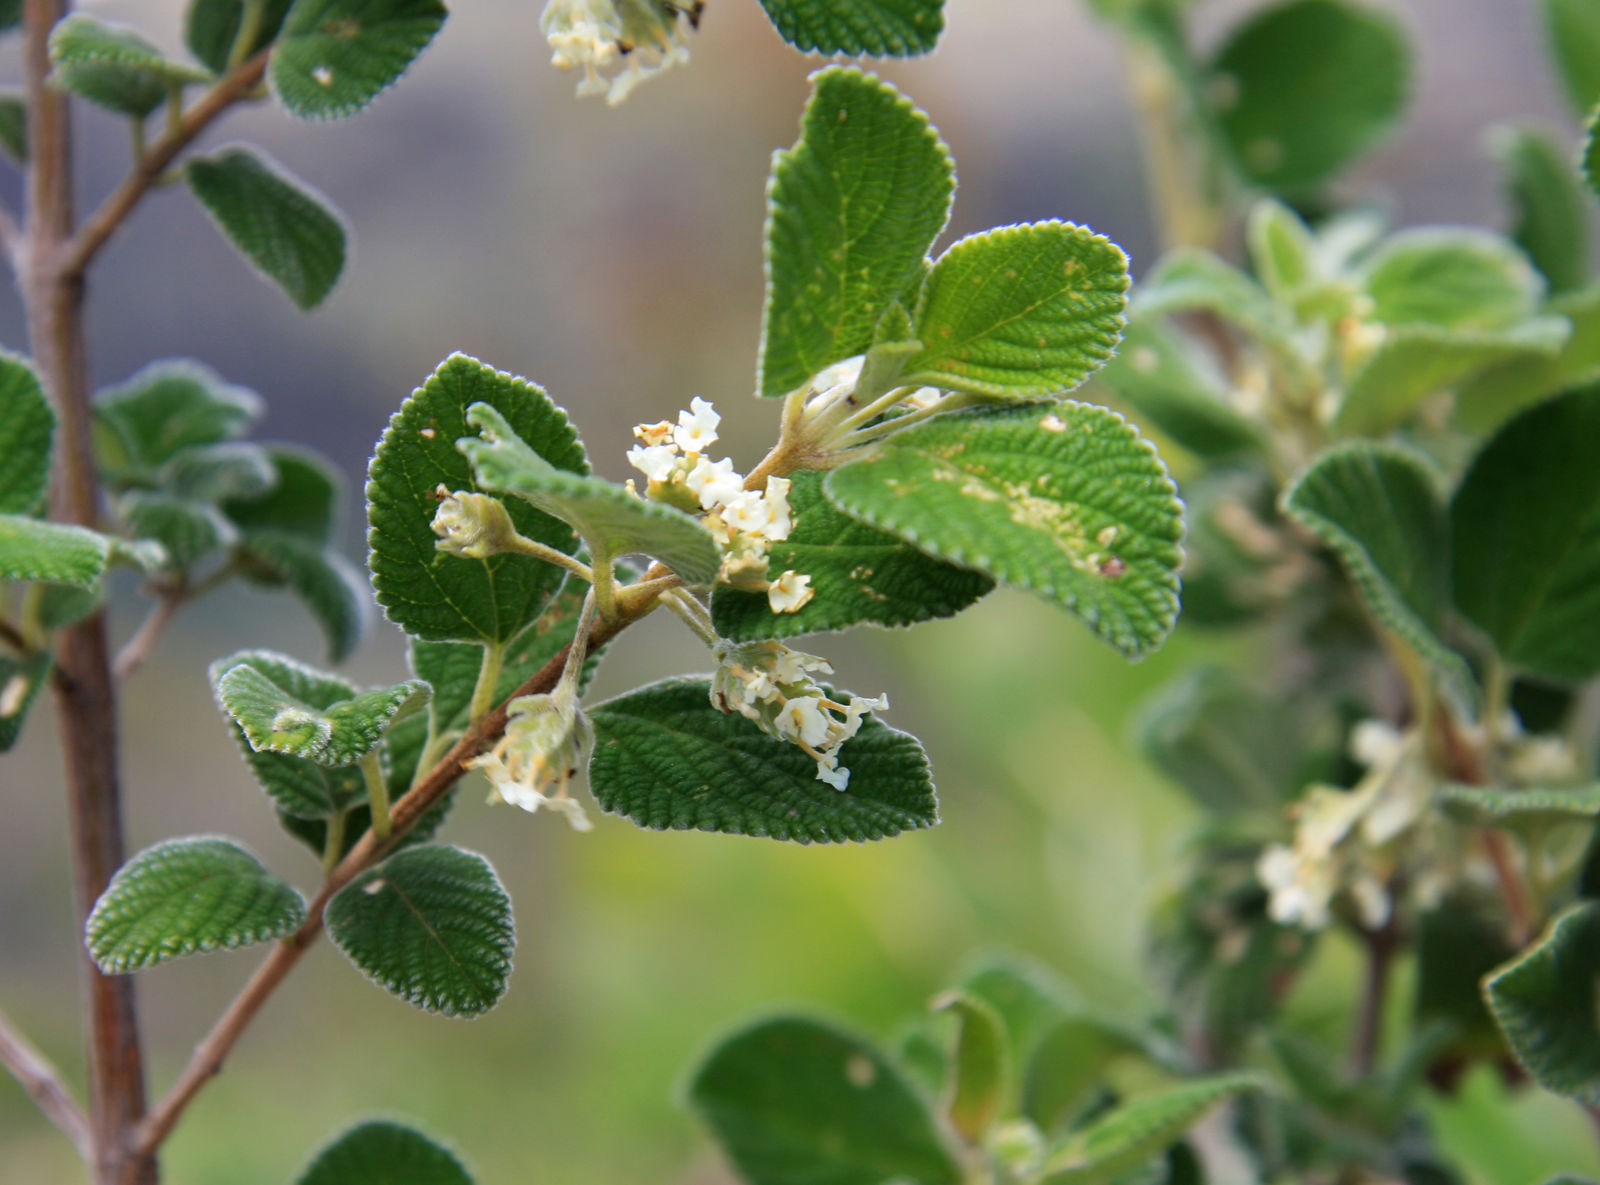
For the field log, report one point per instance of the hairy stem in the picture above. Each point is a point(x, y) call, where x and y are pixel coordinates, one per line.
point(43, 1083)
point(488, 679)
point(333, 842)
point(539, 551)
point(377, 794)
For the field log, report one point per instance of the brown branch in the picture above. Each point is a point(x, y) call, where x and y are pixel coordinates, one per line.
point(139, 647)
point(1380, 950)
point(43, 1083)
point(147, 170)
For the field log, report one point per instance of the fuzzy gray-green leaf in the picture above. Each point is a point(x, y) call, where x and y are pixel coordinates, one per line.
point(141, 424)
point(301, 499)
point(333, 57)
point(188, 530)
point(1067, 501)
point(27, 426)
point(114, 66)
point(287, 231)
point(879, 28)
point(184, 897)
point(1546, 1004)
point(1573, 30)
point(382, 1153)
point(432, 925)
point(853, 208)
point(53, 552)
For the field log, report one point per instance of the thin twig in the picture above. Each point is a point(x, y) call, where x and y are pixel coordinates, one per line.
point(143, 643)
point(12, 240)
point(43, 1083)
point(1380, 947)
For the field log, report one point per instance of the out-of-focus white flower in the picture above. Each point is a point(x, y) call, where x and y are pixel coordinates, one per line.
point(1374, 743)
point(1301, 889)
point(697, 427)
point(790, 592)
point(472, 525)
point(644, 37)
point(655, 461)
point(1542, 760)
point(545, 739)
point(779, 520)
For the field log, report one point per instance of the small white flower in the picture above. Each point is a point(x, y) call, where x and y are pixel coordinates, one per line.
point(790, 592)
point(803, 719)
point(746, 513)
point(791, 666)
point(1374, 743)
point(545, 739)
point(779, 521)
point(1371, 900)
point(655, 461)
point(697, 427)
point(831, 772)
point(714, 482)
point(1300, 889)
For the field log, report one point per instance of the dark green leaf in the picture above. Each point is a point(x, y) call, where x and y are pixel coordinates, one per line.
point(258, 692)
point(14, 126)
point(289, 232)
point(446, 598)
point(1549, 213)
point(879, 28)
point(381, 1153)
point(27, 426)
point(212, 28)
point(430, 924)
point(301, 499)
point(1546, 1004)
point(1573, 27)
point(333, 57)
point(1458, 943)
point(854, 207)
point(168, 406)
point(114, 66)
point(54, 552)
point(668, 760)
point(1067, 501)
point(329, 586)
point(796, 1102)
point(188, 530)
point(20, 682)
point(184, 897)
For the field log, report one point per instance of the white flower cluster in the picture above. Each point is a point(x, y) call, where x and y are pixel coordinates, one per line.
point(770, 684)
point(544, 742)
point(744, 522)
point(642, 37)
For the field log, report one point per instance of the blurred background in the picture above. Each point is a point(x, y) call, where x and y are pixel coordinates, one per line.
point(615, 257)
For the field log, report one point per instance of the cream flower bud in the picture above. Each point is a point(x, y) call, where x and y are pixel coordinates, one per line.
point(545, 740)
point(473, 525)
point(790, 592)
point(779, 522)
point(651, 435)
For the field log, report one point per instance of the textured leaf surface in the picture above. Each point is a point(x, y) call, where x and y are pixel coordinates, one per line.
point(1526, 523)
point(113, 66)
point(1532, 807)
point(979, 1080)
point(854, 207)
point(1549, 210)
point(188, 530)
point(34, 550)
point(1492, 396)
point(1453, 278)
point(1547, 1007)
point(1573, 27)
point(448, 598)
point(184, 897)
point(333, 57)
point(290, 233)
point(301, 500)
point(261, 701)
point(21, 680)
point(668, 760)
point(301, 788)
point(880, 28)
point(1306, 87)
point(326, 583)
point(27, 426)
point(431, 924)
point(796, 1102)
point(213, 472)
point(1069, 502)
point(1020, 311)
point(382, 1153)
point(611, 521)
point(166, 407)
point(860, 575)
point(1379, 509)
point(212, 27)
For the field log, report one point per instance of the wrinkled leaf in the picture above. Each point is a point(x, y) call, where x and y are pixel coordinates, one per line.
point(879, 28)
point(27, 426)
point(333, 57)
point(1546, 1005)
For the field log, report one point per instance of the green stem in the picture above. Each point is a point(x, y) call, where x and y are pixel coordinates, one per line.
point(377, 794)
point(692, 613)
point(529, 547)
point(604, 584)
point(174, 113)
point(866, 414)
point(877, 432)
point(244, 38)
point(1496, 698)
point(333, 845)
point(488, 678)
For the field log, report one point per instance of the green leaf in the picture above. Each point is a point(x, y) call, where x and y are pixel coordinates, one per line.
point(1136, 1131)
point(1450, 278)
point(284, 707)
point(34, 550)
point(114, 66)
point(1066, 1077)
point(1068, 501)
point(27, 426)
point(301, 499)
point(430, 924)
point(326, 583)
point(853, 208)
point(1282, 251)
point(1305, 87)
point(1573, 28)
point(382, 1153)
point(876, 28)
point(20, 682)
point(1173, 387)
point(187, 530)
point(333, 57)
point(859, 574)
point(1548, 209)
point(1189, 280)
point(666, 759)
point(797, 1102)
point(1531, 807)
point(1027, 996)
point(14, 125)
point(212, 27)
point(301, 788)
point(980, 1072)
point(1457, 943)
point(1590, 164)
point(213, 472)
point(168, 406)
point(1546, 1005)
point(448, 598)
point(184, 897)
point(1020, 311)
point(61, 605)
point(287, 230)
point(1526, 523)
point(1491, 397)
point(1378, 508)
point(611, 521)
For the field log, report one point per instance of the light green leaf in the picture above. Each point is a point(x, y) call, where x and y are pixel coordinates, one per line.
point(382, 1153)
point(1066, 1077)
point(1550, 216)
point(666, 759)
point(168, 406)
point(61, 605)
point(114, 66)
point(333, 57)
point(1304, 87)
point(1137, 1130)
point(54, 552)
point(213, 472)
point(1283, 251)
point(797, 1102)
point(20, 682)
point(1020, 311)
point(326, 583)
point(1547, 1007)
point(1526, 523)
point(1027, 996)
point(448, 598)
point(1491, 397)
point(187, 530)
point(212, 27)
point(430, 924)
point(1067, 501)
point(853, 208)
point(876, 28)
point(1573, 29)
point(184, 897)
point(284, 707)
point(859, 574)
point(980, 1070)
point(27, 426)
point(1450, 278)
point(288, 231)
point(1190, 280)
point(14, 125)
point(1379, 509)
point(611, 521)
point(301, 499)
point(1530, 807)
point(302, 788)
